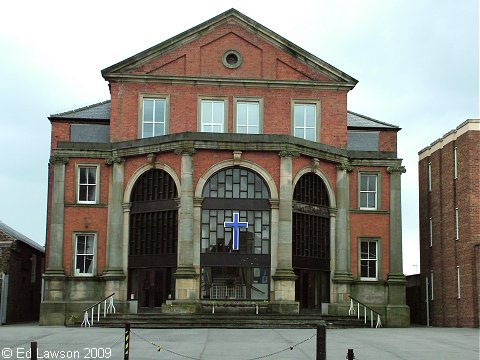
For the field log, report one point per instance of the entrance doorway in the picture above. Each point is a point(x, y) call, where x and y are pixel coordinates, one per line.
point(152, 250)
point(311, 242)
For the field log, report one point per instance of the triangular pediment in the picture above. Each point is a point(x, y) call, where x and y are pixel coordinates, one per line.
point(199, 53)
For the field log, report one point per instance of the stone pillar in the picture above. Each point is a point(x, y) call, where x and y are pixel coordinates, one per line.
point(342, 277)
point(52, 308)
point(186, 288)
point(397, 311)
point(114, 274)
point(284, 277)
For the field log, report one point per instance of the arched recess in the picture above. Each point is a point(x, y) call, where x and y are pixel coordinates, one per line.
point(152, 237)
point(228, 272)
point(311, 239)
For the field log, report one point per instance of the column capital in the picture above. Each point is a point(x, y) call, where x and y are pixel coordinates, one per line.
point(396, 169)
point(114, 160)
point(345, 166)
point(288, 152)
point(58, 160)
point(186, 149)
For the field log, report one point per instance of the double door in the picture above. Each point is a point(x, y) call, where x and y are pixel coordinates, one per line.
point(152, 287)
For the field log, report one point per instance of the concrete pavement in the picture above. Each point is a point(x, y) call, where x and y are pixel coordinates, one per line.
point(216, 344)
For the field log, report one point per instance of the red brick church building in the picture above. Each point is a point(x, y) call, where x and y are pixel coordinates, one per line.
point(225, 166)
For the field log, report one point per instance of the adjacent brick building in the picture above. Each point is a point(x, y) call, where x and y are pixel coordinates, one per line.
point(223, 119)
point(449, 190)
point(21, 268)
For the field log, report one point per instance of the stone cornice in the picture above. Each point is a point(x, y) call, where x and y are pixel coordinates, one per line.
point(203, 81)
point(58, 160)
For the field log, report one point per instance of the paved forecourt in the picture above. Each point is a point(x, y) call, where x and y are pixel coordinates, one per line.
point(244, 344)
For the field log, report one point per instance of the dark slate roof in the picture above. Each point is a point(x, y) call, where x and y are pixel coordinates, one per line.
point(15, 235)
point(99, 111)
point(355, 120)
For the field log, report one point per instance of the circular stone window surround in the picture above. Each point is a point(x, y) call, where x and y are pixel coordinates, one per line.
point(232, 59)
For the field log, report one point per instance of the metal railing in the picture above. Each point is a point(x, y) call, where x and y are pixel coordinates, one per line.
point(107, 309)
point(355, 310)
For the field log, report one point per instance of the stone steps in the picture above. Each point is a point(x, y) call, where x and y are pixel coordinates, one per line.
point(228, 321)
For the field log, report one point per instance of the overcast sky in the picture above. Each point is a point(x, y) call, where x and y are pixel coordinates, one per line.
point(417, 62)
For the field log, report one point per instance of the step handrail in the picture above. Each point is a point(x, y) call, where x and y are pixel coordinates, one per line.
point(107, 309)
point(351, 311)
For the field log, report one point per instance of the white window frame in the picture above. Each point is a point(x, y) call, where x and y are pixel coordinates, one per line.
point(368, 259)
point(316, 105)
point(202, 123)
point(429, 176)
point(368, 192)
point(96, 184)
point(166, 114)
point(76, 237)
point(457, 234)
point(455, 164)
point(248, 101)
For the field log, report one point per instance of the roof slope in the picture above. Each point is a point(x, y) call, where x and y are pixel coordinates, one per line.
point(355, 120)
point(232, 15)
point(98, 111)
point(15, 235)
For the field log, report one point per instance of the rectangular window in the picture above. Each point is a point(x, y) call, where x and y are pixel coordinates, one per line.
point(368, 260)
point(247, 117)
point(154, 117)
point(305, 121)
point(455, 173)
point(429, 176)
point(431, 232)
point(368, 191)
point(84, 254)
point(212, 116)
point(87, 184)
point(458, 282)
point(456, 224)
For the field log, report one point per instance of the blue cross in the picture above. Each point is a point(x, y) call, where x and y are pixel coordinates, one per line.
point(236, 225)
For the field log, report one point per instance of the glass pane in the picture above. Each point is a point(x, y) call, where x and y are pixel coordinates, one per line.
point(147, 130)
point(253, 113)
point(253, 130)
point(298, 115)
point(363, 182)
point(364, 269)
point(371, 200)
point(372, 251)
point(80, 266)
point(372, 183)
point(159, 129)
point(310, 134)
point(89, 244)
point(148, 110)
point(218, 112)
point(92, 174)
point(91, 192)
point(207, 128)
point(242, 130)
point(159, 110)
point(310, 115)
point(82, 196)
point(81, 244)
point(217, 128)
point(372, 269)
point(364, 250)
point(241, 113)
point(88, 264)
point(299, 133)
point(83, 175)
point(206, 112)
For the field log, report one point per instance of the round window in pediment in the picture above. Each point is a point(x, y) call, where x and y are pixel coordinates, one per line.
point(232, 59)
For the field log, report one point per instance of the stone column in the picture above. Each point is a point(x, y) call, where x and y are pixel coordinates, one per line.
point(397, 311)
point(114, 263)
point(187, 288)
point(342, 277)
point(52, 308)
point(55, 245)
point(284, 277)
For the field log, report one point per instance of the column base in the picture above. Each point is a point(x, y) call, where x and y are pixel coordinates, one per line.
point(116, 273)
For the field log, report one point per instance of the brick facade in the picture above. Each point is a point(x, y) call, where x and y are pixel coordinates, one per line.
point(449, 248)
point(183, 71)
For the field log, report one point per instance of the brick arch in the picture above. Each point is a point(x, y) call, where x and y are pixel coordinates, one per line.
point(323, 176)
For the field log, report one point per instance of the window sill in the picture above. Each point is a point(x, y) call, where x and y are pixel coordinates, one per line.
point(86, 205)
point(368, 211)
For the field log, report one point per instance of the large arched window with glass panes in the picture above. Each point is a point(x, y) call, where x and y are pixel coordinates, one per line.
point(229, 273)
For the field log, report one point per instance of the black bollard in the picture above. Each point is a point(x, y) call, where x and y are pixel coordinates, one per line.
point(350, 354)
point(33, 350)
point(321, 343)
point(126, 353)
